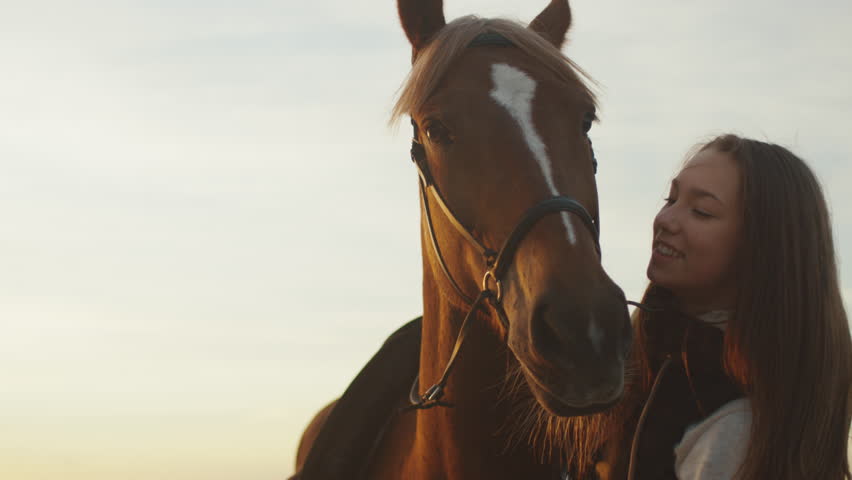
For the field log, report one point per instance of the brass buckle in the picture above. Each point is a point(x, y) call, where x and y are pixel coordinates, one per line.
point(498, 295)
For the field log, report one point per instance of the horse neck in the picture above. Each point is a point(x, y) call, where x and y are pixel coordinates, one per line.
point(482, 362)
point(465, 441)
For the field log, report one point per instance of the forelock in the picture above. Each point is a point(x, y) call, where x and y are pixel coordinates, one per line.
point(433, 62)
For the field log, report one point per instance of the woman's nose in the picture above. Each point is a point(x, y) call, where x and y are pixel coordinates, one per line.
point(666, 220)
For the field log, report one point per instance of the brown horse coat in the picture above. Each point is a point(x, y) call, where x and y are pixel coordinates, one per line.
point(346, 435)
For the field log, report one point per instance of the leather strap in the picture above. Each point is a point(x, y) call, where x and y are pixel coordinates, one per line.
point(531, 217)
point(432, 397)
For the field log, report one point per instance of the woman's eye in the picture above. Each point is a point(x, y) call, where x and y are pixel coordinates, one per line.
point(669, 200)
point(438, 133)
point(702, 213)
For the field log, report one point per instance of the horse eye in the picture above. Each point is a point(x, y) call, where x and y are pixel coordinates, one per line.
point(438, 133)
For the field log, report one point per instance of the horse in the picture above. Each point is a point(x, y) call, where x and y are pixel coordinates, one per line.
point(515, 341)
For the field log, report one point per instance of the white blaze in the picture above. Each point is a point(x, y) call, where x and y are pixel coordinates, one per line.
point(514, 90)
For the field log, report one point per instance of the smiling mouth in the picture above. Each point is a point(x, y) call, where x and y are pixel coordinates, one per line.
point(667, 250)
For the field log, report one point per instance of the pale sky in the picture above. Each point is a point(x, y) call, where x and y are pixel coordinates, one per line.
point(207, 228)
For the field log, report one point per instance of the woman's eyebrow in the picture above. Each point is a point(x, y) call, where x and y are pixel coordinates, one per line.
point(696, 192)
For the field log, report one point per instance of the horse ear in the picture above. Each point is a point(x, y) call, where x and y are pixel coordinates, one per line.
point(420, 19)
point(553, 22)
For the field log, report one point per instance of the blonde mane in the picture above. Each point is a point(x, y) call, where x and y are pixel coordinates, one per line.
point(451, 41)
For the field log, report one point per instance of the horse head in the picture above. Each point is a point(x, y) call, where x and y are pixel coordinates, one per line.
point(501, 123)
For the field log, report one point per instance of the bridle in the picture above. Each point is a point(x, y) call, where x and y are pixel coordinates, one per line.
point(497, 262)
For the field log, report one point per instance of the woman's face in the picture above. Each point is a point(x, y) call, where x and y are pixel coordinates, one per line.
point(697, 233)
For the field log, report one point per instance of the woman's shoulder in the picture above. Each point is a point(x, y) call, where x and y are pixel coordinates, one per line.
point(714, 448)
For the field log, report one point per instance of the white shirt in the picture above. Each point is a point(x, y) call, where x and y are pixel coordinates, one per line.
point(714, 448)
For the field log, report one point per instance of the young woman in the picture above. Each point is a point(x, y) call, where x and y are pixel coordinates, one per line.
point(743, 356)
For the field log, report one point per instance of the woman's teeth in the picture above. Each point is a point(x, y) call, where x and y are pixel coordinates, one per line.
point(667, 251)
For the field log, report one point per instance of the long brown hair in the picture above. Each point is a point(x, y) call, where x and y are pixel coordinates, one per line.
point(787, 344)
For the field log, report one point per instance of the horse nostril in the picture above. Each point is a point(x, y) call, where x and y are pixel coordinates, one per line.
point(545, 339)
